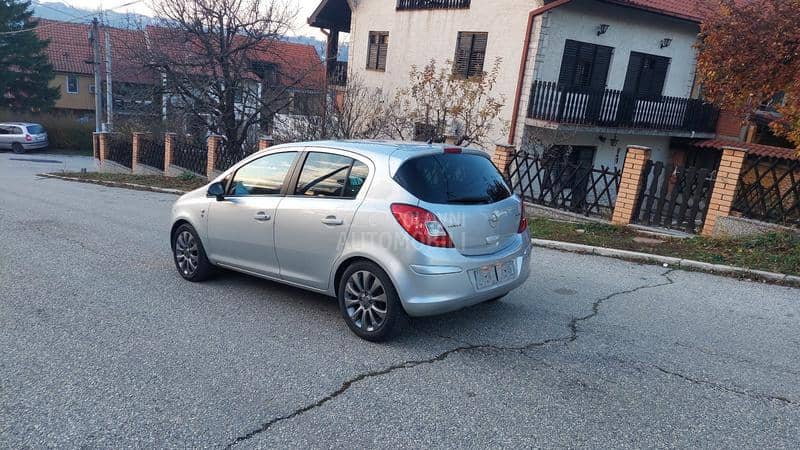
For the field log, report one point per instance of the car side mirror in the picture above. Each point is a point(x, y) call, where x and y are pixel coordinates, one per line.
point(217, 190)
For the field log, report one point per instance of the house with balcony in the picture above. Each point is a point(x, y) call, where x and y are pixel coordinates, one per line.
point(584, 77)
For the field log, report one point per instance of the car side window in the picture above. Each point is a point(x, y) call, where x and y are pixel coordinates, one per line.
point(263, 176)
point(4, 130)
point(323, 175)
point(14, 130)
point(358, 175)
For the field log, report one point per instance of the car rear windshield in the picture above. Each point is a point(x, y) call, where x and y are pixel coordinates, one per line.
point(452, 178)
point(35, 129)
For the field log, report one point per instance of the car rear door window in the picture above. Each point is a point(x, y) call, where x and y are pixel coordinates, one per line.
point(263, 176)
point(358, 175)
point(324, 175)
point(458, 178)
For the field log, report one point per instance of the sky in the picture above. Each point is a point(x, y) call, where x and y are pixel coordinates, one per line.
point(304, 7)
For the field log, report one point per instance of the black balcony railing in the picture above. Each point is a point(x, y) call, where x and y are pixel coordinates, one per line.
point(553, 102)
point(338, 73)
point(432, 4)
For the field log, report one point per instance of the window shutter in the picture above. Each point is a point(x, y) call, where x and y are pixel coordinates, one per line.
point(634, 70)
point(478, 54)
point(568, 63)
point(660, 67)
point(461, 61)
point(602, 62)
point(383, 48)
point(372, 51)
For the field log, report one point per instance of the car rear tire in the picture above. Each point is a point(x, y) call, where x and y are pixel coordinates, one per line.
point(369, 302)
point(189, 254)
point(17, 148)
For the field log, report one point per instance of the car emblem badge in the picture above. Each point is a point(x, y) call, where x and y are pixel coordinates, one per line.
point(493, 220)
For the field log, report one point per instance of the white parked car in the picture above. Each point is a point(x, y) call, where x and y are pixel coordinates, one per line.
point(22, 136)
point(390, 229)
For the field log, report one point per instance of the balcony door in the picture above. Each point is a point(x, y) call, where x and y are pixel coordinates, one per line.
point(582, 79)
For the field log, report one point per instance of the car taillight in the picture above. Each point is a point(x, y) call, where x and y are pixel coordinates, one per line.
point(422, 225)
point(28, 137)
point(523, 219)
point(452, 150)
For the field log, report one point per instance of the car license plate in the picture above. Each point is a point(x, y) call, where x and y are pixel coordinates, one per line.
point(488, 276)
point(506, 271)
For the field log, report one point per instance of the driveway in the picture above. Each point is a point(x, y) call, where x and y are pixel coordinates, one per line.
point(102, 344)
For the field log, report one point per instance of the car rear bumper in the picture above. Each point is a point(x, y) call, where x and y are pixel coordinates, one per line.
point(35, 145)
point(427, 290)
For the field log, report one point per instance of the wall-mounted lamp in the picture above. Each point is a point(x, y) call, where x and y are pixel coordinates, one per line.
point(602, 29)
point(666, 42)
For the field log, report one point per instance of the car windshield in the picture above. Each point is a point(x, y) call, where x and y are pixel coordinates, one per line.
point(459, 178)
point(35, 129)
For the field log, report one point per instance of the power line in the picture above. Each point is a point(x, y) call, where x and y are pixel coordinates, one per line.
point(38, 27)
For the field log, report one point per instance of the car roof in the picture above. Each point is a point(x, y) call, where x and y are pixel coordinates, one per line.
point(379, 148)
point(22, 124)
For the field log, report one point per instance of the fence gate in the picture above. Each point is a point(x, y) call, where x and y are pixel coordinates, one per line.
point(674, 197)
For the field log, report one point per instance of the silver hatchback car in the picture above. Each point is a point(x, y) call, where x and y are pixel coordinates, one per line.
point(392, 229)
point(22, 136)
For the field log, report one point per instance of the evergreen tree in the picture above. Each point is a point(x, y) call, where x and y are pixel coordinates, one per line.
point(25, 70)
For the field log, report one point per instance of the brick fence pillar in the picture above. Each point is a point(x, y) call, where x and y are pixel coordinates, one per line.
point(630, 185)
point(102, 145)
point(213, 144)
point(724, 190)
point(503, 154)
point(265, 142)
point(169, 141)
point(135, 142)
point(96, 145)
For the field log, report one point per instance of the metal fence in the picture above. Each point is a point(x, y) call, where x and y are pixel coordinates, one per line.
point(120, 149)
point(190, 156)
point(769, 190)
point(431, 4)
point(226, 156)
point(578, 188)
point(151, 151)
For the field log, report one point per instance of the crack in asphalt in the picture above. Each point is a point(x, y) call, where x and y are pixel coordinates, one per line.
point(573, 327)
point(718, 386)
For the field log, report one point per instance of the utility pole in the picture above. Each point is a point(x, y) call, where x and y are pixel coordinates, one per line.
point(109, 93)
point(94, 35)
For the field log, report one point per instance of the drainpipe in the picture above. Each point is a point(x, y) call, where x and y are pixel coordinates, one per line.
point(524, 62)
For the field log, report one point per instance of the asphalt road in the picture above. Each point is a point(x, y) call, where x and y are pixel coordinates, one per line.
point(102, 344)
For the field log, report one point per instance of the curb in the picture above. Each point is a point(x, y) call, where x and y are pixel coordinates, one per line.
point(681, 263)
point(117, 184)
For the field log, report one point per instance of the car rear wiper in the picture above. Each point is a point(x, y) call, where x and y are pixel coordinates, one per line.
point(470, 200)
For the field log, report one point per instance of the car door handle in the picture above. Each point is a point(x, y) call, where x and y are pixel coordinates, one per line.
point(332, 220)
point(262, 216)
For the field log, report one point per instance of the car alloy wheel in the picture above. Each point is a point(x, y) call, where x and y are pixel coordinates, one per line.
point(187, 253)
point(365, 301)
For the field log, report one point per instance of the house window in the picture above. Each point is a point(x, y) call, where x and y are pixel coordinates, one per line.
point(646, 75)
point(585, 65)
point(470, 53)
point(72, 84)
point(307, 103)
point(376, 52)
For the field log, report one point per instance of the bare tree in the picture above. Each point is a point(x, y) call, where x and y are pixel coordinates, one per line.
point(222, 64)
point(439, 102)
point(355, 112)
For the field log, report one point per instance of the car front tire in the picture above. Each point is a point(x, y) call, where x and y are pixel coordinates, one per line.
point(189, 255)
point(369, 302)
